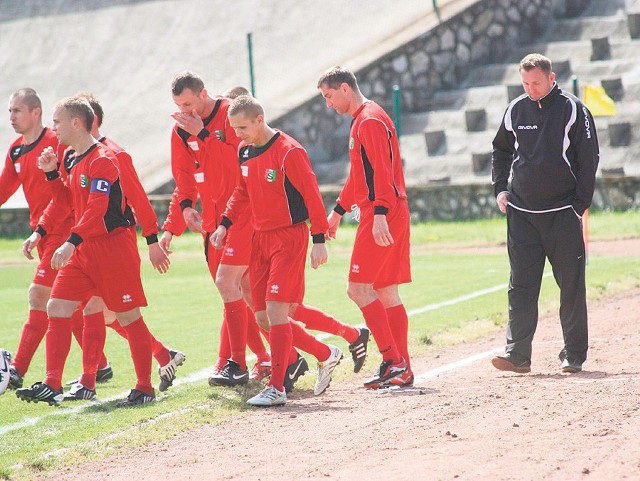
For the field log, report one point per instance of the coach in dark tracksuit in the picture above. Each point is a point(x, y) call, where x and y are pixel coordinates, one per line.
point(545, 157)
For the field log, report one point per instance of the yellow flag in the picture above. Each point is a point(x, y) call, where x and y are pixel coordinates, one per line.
point(597, 101)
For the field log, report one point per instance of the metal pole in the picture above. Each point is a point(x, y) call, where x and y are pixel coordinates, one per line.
point(396, 109)
point(574, 80)
point(435, 4)
point(250, 49)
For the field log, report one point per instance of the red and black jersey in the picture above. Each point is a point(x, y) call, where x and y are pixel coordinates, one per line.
point(90, 183)
point(21, 168)
point(206, 164)
point(134, 192)
point(278, 186)
point(376, 175)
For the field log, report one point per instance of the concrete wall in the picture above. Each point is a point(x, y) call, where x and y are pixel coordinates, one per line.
point(430, 202)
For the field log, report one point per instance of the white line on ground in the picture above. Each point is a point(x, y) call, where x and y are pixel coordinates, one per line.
point(204, 373)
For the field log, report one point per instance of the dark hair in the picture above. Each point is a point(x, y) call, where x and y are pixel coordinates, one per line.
point(536, 60)
point(247, 105)
point(79, 108)
point(95, 105)
point(186, 80)
point(336, 76)
point(29, 98)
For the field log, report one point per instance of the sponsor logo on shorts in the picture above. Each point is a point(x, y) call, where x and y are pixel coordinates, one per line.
point(41, 273)
point(245, 170)
point(84, 181)
point(103, 186)
point(270, 175)
point(229, 252)
point(355, 268)
point(351, 143)
point(275, 289)
point(219, 134)
point(126, 298)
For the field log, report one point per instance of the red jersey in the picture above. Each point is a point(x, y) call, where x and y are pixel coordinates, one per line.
point(134, 192)
point(376, 175)
point(206, 164)
point(278, 186)
point(21, 168)
point(90, 183)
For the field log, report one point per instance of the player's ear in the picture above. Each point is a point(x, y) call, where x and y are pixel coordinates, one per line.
point(204, 94)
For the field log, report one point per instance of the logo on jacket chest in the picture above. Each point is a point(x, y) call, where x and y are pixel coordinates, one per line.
point(527, 127)
point(270, 175)
point(352, 142)
point(84, 181)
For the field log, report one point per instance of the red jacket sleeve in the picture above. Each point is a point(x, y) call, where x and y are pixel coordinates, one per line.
point(174, 222)
point(60, 207)
point(136, 196)
point(183, 168)
point(374, 136)
point(298, 170)
point(9, 181)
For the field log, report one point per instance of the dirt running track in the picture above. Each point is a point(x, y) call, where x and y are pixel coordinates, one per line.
point(464, 422)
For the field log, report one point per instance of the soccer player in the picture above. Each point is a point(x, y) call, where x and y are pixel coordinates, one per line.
point(280, 190)
point(168, 360)
point(21, 168)
point(380, 259)
point(100, 256)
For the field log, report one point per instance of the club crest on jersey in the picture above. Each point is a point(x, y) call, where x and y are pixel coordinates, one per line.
point(219, 134)
point(102, 186)
point(15, 153)
point(84, 181)
point(352, 142)
point(270, 175)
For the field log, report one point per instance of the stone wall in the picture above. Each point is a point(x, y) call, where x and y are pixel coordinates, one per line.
point(438, 59)
point(429, 202)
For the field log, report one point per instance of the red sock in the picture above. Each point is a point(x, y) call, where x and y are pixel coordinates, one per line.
point(57, 345)
point(77, 325)
point(236, 315)
point(375, 316)
point(254, 340)
point(139, 339)
point(399, 324)
point(280, 340)
point(293, 356)
point(224, 347)
point(93, 337)
point(321, 321)
point(116, 326)
point(160, 351)
point(33, 331)
point(307, 343)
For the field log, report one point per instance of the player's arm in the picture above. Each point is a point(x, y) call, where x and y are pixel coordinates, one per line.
point(237, 206)
point(9, 181)
point(585, 140)
point(501, 160)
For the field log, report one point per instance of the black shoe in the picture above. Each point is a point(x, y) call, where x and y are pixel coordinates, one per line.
point(168, 372)
point(513, 362)
point(15, 379)
point(102, 375)
point(231, 375)
point(136, 398)
point(385, 373)
point(40, 392)
point(570, 363)
point(359, 349)
point(80, 393)
point(294, 371)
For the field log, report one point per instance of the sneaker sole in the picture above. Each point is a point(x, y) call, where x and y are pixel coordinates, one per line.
point(504, 365)
point(36, 401)
point(329, 383)
point(227, 383)
point(571, 370)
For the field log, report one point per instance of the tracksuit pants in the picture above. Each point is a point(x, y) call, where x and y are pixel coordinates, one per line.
point(532, 238)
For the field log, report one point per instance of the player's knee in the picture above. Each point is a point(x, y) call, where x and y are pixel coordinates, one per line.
point(38, 297)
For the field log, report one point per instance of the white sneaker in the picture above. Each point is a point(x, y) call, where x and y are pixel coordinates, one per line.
point(325, 369)
point(167, 372)
point(5, 374)
point(269, 396)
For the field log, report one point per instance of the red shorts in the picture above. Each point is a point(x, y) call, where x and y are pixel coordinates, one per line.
point(276, 270)
point(237, 245)
point(211, 255)
point(108, 267)
point(377, 265)
point(45, 275)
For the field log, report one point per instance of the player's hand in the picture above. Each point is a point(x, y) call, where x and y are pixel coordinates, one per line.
point(48, 161)
point(501, 200)
point(191, 122)
point(217, 238)
point(380, 230)
point(334, 222)
point(193, 220)
point(165, 241)
point(319, 255)
point(62, 255)
point(159, 258)
point(30, 244)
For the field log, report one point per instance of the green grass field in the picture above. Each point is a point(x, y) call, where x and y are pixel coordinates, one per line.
point(185, 311)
